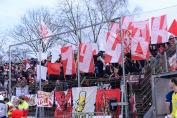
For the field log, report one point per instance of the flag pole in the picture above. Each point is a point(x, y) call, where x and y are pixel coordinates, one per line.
point(78, 68)
point(10, 77)
point(123, 83)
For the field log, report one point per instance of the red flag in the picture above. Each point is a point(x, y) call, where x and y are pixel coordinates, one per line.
point(173, 28)
point(103, 98)
point(53, 68)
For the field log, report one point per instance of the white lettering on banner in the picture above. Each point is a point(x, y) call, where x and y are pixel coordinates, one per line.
point(85, 57)
point(159, 32)
point(113, 43)
point(68, 58)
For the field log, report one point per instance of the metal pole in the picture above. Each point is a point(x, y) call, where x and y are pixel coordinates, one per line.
point(124, 93)
point(78, 71)
point(10, 77)
point(166, 62)
point(40, 49)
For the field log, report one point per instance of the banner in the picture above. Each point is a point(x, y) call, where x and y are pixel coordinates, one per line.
point(15, 100)
point(63, 100)
point(45, 99)
point(22, 91)
point(4, 94)
point(133, 78)
point(30, 99)
point(84, 99)
point(103, 99)
point(159, 33)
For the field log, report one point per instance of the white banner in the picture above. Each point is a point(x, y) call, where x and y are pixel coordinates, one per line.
point(43, 73)
point(31, 99)
point(22, 91)
point(45, 99)
point(84, 99)
point(3, 93)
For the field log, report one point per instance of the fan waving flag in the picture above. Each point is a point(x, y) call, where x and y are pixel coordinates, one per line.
point(67, 56)
point(173, 28)
point(140, 41)
point(44, 32)
point(86, 62)
point(113, 45)
point(53, 68)
point(159, 32)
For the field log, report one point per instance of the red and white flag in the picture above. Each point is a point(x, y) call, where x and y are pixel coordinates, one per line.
point(173, 28)
point(67, 56)
point(26, 63)
point(86, 62)
point(44, 32)
point(127, 30)
point(159, 33)
point(140, 41)
point(173, 62)
point(113, 45)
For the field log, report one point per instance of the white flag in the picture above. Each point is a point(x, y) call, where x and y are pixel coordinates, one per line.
point(84, 99)
point(43, 72)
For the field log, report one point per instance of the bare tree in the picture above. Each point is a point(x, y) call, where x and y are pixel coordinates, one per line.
point(72, 19)
point(76, 14)
point(28, 29)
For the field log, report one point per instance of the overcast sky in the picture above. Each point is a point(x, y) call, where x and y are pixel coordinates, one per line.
point(12, 10)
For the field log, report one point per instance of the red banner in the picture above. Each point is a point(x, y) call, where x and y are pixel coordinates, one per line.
point(103, 99)
point(63, 102)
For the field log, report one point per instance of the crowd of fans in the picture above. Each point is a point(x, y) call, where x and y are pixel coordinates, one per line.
point(22, 76)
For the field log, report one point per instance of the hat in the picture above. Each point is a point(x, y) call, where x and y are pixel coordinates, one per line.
point(171, 37)
point(1, 97)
